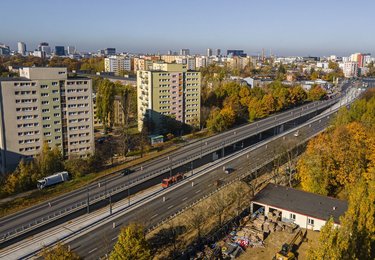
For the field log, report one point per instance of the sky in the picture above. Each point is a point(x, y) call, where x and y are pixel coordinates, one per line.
point(288, 27)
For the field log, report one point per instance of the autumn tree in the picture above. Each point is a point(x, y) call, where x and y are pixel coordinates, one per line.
point(355, 238)
point(131, 244)
point(316, 93)
point(104, 103)
point(59, 252)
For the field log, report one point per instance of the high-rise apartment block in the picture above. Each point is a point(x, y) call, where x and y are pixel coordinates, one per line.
point(168, 90)
point(117, 64)
point(350, 69)
point(44, 105)
point(21, 48)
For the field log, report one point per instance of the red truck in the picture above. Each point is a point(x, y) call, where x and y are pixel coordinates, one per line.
point(171, 180)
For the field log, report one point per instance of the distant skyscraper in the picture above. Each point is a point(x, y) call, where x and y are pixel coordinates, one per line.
point(110, 51)
point(184, 52)
point(169, 52)
point(21, 48)
point(71, 50)
point(218, 52)
point(4, 50)
point(41, 45)
point(44, 48)
point(59, 50)
point(233, 53)
point(209, 52)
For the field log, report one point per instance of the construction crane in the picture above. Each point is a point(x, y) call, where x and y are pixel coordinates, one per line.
point(286, 250)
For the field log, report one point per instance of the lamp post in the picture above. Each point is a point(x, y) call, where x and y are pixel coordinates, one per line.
point(88, 199)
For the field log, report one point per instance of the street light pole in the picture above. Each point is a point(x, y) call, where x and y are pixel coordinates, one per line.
point(128, 191)
point(110, 204)
point(88, 200)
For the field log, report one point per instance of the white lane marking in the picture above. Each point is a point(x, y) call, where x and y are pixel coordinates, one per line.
point(154, 216)
point(93, 250)
point(114, 238)
point(209, 185)
point(197, 191)
point(184, 199)
point(171, 206)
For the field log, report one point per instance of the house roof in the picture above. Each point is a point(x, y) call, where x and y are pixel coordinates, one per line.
point(305, 203)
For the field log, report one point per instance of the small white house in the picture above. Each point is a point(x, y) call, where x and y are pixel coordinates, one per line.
point(308, 210)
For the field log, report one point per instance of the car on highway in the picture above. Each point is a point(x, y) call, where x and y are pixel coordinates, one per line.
point(126, 172)
point(228, 170)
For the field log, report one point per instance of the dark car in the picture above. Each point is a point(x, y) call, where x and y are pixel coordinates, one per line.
point(228, 170)
point(126, 172)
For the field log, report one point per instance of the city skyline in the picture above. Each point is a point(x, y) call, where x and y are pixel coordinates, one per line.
point(287, 28)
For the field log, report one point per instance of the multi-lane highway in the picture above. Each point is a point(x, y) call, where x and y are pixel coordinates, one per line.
point(90, 245)
point(97, 239)
point(34, 217)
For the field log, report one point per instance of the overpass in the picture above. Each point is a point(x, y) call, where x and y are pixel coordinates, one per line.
point(45, 215)
point(96, 240)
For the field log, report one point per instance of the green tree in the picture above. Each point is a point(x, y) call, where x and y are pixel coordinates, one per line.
point(131, 244)
point(104, 102)
point(49, 161)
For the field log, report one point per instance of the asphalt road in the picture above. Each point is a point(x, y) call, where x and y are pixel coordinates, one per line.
point(32, 217)
point(101, 240)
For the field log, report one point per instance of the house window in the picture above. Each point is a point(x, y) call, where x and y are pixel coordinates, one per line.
point(292, 216)
point(311, 221)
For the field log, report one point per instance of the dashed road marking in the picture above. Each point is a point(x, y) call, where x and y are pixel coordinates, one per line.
point(154, 216)
point(171, 206)
point(93, 250)
point(184, 199)
point(197, 191)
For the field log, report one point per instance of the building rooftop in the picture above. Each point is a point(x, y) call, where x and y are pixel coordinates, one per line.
point(14, 79)
point(306, 203)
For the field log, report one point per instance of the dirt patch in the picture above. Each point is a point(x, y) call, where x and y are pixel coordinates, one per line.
point(274, 242)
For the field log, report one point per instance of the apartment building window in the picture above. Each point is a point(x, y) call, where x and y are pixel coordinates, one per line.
point(57, 130)
point(45, 110)
point(56, 114)
point(46, 118)
point(292, 216)
point(55, 99)
point(44, 94)
point(43, 86)
point(47, 134)
point(57, 137)
point(47, 126)
point(55, 91)
point(54, 83)
point(310, 221)
point(45, 102)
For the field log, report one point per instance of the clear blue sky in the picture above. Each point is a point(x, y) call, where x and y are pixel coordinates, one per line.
point(288, 27)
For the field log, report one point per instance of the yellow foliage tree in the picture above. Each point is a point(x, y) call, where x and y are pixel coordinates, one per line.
point(131, 244)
